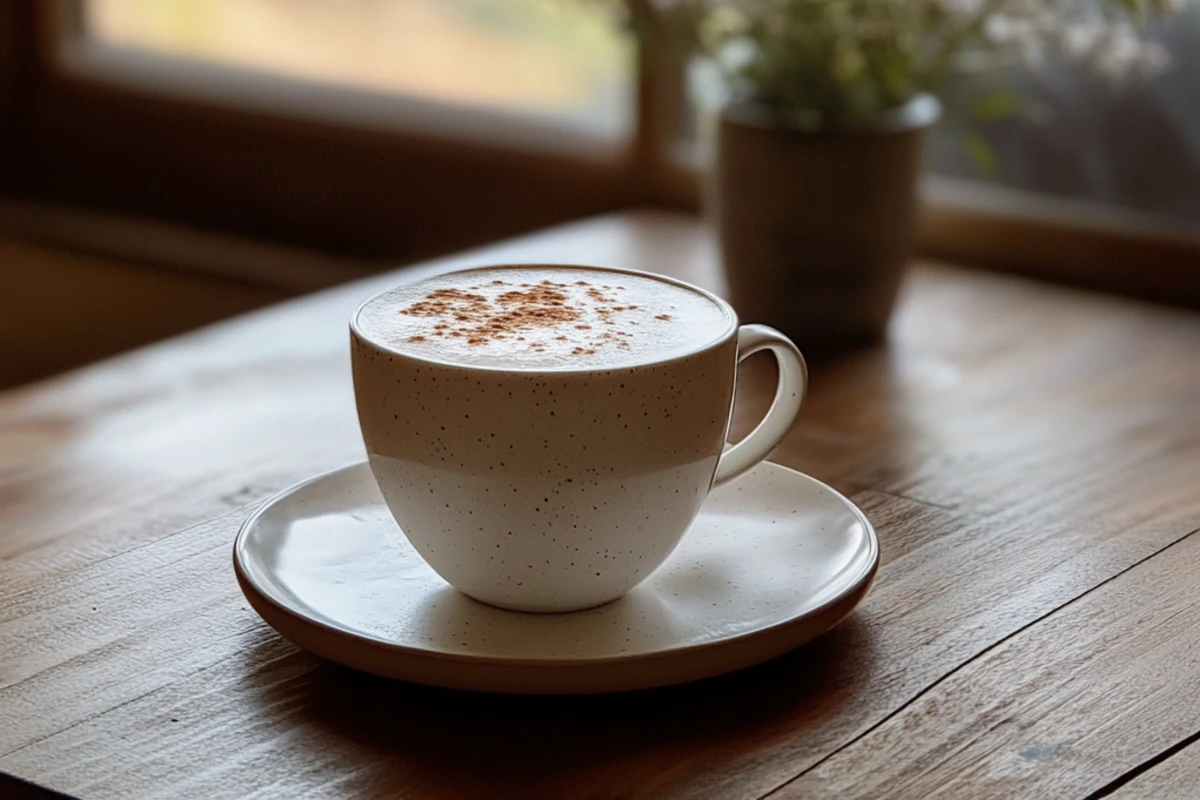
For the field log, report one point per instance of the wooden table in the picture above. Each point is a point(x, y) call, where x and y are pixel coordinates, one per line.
point(1029, 454)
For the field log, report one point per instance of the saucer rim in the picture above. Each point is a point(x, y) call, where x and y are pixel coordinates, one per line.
point(856, 589)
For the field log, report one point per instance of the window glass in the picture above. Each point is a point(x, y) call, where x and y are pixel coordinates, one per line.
point(1132, 143)
point(554, 59)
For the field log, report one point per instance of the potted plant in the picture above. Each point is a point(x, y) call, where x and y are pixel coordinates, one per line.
point(814, 185)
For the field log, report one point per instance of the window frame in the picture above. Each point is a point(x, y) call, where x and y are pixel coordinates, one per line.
point(380, 176)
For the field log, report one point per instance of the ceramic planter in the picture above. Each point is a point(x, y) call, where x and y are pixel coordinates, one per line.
point(816, 227)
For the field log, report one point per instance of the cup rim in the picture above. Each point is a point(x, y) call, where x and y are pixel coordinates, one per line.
point(729, 332)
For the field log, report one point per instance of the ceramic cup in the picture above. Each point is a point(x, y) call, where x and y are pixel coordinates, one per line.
point(560, 489)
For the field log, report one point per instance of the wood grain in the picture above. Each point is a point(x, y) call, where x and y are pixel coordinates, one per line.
point(1062, 709)
point(1174, 776)
point(1017, 446)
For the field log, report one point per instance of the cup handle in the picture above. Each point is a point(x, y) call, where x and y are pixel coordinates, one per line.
point(793, 381)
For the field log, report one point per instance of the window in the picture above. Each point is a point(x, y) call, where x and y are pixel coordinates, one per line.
point(1100, 185)
point(398, 128)
point(559, 62)
point(376, 128)
point(1132, 146)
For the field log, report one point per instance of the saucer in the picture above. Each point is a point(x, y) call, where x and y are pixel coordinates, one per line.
point(775, 559)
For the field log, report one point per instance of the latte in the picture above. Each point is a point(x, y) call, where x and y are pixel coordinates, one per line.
point(544, 317)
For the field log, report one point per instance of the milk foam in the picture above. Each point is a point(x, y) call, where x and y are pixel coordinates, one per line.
point(544, 318)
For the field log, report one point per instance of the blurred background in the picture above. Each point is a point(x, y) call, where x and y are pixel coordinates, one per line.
point(168, 163)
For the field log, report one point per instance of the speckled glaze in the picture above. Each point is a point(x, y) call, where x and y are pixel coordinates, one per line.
point(547, 490)
point(773, 560)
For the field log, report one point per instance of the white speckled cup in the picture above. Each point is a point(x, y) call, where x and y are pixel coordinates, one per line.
point(559, 489)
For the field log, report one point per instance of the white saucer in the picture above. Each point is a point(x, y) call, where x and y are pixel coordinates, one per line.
point(775, 559)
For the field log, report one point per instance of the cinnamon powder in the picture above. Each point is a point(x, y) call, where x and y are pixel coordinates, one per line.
point(524, 308)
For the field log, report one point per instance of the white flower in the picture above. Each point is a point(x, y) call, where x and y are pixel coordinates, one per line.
point(1005, 29)
point(1079, 39)
point(1155, 60)
point(1122, 52)
point(735, 54)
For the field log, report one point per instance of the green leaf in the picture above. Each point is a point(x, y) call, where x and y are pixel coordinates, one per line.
point(996, 106)
point(982, 155)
